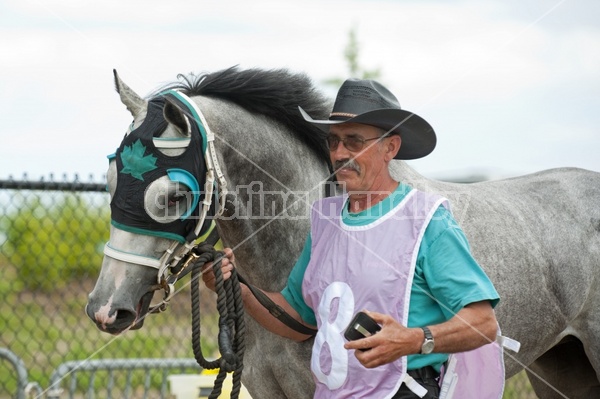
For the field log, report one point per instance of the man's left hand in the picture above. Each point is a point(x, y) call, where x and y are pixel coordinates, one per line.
point(390, 343)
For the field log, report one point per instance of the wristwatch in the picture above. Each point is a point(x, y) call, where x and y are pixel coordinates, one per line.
point(428, 342)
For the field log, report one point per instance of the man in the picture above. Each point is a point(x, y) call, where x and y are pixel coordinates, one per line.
point(394, 252)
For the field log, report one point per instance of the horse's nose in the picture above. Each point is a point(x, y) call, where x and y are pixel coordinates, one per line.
point(111, 319)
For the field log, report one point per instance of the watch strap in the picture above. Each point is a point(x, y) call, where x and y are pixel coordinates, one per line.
point(427, 332)
point(428, 339)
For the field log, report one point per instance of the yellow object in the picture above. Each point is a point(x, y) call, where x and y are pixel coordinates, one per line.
point(203, 237)
point(194, 386)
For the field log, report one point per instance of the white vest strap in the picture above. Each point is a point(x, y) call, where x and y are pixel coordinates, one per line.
point(508, 343)
point(414, 386)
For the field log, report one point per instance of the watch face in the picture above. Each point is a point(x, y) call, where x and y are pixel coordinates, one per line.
point(427, 347)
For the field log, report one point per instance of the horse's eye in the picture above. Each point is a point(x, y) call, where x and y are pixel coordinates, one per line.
point(175, 198)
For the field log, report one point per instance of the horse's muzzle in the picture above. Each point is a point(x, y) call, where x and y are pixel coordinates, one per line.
point(115, 320)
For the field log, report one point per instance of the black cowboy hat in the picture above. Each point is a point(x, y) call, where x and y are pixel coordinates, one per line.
point(369, 103)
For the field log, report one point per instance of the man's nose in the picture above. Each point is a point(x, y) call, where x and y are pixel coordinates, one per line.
point(341, 152)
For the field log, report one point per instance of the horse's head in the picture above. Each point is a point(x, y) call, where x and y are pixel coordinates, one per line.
point(156, 207)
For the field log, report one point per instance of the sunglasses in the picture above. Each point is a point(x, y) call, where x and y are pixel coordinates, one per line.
point(352, 143)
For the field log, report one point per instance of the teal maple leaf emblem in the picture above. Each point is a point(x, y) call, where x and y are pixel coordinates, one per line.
point(135, 162)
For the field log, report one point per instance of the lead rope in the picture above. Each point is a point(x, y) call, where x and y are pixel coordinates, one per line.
point(231, 321)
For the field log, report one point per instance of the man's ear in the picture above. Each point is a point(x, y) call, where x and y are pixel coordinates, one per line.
point(394, 143)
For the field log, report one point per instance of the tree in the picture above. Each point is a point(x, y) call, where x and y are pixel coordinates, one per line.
point(352, 55)
point(53, 244)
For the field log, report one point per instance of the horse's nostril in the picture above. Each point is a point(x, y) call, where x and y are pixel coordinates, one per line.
point(125, 316)
point(114, 321)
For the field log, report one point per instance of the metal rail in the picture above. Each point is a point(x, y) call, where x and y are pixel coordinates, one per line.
point(70, 369)
point(52, 185)
point(24, 387)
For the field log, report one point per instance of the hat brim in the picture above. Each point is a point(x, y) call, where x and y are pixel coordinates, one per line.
point(418, 137)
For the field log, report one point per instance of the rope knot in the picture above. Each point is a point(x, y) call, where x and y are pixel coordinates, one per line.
point(231, 320)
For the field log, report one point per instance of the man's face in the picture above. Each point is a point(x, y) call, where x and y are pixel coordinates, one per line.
point(359, 169)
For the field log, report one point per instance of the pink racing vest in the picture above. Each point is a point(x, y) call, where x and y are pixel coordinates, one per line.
point(354, 268)
point(372, 267)
point(475, 374)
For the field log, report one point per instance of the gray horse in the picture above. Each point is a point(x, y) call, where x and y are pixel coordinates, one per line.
point(537, 236)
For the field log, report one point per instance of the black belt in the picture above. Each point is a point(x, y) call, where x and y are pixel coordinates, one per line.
point(424, 373)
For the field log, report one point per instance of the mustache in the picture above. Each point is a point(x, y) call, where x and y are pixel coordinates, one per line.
point(346, 163)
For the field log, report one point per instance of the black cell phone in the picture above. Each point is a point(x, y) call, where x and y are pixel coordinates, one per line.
point(361, 326)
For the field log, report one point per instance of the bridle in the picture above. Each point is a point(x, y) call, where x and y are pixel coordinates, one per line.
point(180, 258)
point(184, 257)
point(189, 254)
point(175, 261)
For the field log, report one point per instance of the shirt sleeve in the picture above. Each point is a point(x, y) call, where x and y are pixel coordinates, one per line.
point(450, 271)
point(292, 292)
point(447, 278)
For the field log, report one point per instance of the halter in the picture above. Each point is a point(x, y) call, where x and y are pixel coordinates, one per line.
point(173, 256)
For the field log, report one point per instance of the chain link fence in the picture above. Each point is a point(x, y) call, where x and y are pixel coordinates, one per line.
point(51, 240)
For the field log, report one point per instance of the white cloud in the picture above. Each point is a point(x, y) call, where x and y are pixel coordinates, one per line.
point(462, 64)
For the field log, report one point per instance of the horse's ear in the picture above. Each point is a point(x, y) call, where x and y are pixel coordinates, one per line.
point(134, 103)
point(174, 115)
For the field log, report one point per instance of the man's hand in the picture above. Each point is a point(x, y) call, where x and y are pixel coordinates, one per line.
point(473, 326)
point(227, 265)
point(251, 304)
point(393, 341)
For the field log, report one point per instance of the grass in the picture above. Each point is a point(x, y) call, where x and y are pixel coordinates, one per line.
point(518, 387)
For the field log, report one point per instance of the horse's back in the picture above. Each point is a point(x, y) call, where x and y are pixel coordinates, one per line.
point(555, 213)
point(551, 215)
point(538, 238)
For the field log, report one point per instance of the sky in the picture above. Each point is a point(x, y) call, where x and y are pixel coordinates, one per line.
point(511, 87)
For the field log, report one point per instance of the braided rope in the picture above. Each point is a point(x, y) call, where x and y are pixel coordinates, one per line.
point(232, 328)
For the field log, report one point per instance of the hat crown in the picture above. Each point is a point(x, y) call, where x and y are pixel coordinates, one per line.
point(357, 96)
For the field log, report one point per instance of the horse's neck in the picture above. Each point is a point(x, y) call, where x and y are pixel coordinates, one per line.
point(405, 174)
point(272, 181)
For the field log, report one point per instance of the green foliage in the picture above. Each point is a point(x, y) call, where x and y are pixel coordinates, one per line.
point(50, 255)
point(52, 244)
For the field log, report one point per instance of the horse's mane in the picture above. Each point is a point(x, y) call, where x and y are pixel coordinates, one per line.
point(274, 93)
